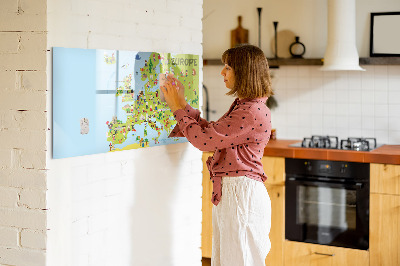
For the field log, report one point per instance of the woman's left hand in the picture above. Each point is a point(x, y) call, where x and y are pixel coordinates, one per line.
point(171, 95)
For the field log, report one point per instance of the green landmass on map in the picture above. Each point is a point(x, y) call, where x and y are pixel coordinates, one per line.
point(145, 108)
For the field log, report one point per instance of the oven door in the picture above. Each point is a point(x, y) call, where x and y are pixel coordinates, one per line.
point(327, 213)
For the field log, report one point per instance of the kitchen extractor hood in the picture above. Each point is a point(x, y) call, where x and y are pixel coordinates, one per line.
point(341, 51)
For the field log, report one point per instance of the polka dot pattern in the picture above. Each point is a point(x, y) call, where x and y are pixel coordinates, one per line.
point(238, 139)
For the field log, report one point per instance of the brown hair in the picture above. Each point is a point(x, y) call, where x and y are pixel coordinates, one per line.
point(250, 66)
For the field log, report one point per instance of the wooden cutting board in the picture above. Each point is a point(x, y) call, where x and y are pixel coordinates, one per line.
point(239, 35)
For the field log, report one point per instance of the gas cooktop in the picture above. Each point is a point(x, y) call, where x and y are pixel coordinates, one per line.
point(332, 142)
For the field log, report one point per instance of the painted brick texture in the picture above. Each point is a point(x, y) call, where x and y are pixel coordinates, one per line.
point(111, 209)
point(23, 129)
point(9, 237)
point(138, 207)
point(33, 239)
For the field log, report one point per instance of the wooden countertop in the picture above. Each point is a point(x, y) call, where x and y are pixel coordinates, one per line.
point(389, 154)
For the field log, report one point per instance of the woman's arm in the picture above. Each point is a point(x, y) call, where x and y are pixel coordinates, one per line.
point(173, 91)
point(239, 127)
point(193, 113)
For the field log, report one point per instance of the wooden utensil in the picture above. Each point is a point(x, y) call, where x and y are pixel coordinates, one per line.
point(239, 35)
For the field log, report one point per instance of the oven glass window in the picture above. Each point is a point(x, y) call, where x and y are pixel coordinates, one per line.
point(327, 207)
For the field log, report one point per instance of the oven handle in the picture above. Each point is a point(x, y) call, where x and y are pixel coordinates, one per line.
point(357, 185)
point(324, 254)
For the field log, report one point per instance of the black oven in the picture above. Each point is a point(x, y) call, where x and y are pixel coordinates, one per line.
point(327, 202)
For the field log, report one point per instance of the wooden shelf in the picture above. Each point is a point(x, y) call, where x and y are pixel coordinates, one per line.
point(380, 61)
point(273, 63)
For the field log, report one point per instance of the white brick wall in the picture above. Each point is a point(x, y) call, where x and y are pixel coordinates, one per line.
point(23, 218)
point(106, 209)
point(9, 237)
point(23, 129)
point(23, 178)
point(8, 197)
point(33, 239)
point(138, 207)
point(24, 256)
point(25, 16)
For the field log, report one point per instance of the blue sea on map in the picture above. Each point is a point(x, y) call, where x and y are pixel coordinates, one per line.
point(85, 82)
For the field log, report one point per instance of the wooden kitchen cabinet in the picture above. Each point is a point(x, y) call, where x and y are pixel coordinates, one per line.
point(385, 178)
point(274, 168)
point(206, 225)
point(277, 233)
point(384, 237)
point(305, 254)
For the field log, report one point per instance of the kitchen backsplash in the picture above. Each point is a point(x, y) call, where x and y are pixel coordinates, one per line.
point(314, 102)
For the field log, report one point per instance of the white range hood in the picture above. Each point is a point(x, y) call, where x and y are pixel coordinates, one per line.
point(341, 51)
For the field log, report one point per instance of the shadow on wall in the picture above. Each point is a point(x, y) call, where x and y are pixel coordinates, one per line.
point(156, 189)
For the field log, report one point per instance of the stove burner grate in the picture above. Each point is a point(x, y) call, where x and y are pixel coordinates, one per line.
point(332, 142)
point(358, 144)
point(327, 142)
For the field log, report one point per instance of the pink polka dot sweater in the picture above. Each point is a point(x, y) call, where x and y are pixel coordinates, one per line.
point(238, 139)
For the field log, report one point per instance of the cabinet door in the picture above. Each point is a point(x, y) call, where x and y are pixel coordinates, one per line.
point(304, 254)
point(206, 232)
point(384, 230)
point(274, 168)
point(277, 233)
point(385, 178)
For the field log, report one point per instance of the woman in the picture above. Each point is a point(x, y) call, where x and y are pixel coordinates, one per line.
point(242, 208)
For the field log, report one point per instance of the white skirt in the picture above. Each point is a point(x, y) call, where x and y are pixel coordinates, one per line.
point(241, 223)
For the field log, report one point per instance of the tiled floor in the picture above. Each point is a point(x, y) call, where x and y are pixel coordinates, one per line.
point(206, 261)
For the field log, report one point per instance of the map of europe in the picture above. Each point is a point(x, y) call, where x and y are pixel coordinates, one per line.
point(109, 100)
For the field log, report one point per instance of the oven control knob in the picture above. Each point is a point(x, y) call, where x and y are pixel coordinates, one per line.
point(308, 166)
point(343, 168)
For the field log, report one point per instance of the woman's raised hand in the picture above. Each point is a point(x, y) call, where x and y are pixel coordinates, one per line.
point(181, 91)
point(174, 93)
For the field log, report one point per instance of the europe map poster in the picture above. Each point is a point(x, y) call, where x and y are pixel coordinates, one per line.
point(109, 100)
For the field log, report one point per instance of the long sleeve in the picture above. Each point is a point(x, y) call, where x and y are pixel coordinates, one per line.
point(193, 113)
point(238, 140)
point(231, 130)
